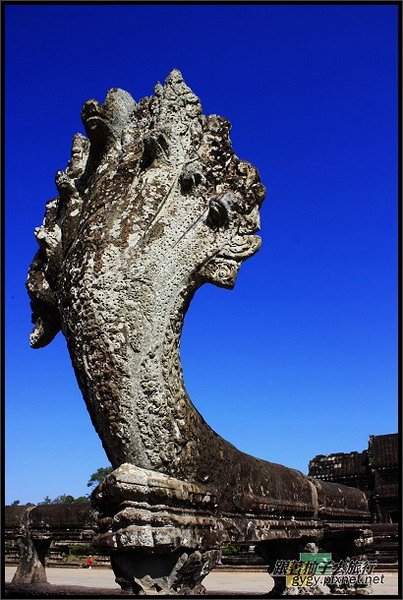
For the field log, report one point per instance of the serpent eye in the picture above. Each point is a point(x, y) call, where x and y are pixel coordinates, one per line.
point(217, 214)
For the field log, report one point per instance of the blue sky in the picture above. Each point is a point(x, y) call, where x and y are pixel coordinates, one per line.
point(301, 357)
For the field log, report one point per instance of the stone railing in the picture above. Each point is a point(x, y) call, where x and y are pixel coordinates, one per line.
point(31, 530)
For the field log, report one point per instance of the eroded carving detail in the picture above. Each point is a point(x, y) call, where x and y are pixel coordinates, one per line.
point(151, 206)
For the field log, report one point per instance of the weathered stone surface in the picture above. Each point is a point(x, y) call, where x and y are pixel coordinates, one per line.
point(151, 206)
point(36, 527)
point(179, 572)
point(31, 568)
point(139, 507)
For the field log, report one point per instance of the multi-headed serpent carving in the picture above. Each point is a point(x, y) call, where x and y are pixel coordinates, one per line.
point(151, 206)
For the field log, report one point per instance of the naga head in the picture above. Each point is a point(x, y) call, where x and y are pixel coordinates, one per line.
point(157, 183)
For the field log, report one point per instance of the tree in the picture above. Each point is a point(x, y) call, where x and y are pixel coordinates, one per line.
point(15, 503)
point(63, 499)
point(81, 500)
point(95, 479)
point(99, 476)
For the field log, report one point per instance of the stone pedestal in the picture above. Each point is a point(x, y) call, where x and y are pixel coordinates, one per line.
point(158, 531)
point(349, 547)
point(287, 550)
point(31, 566)
point(178, 572)
point(164, 534)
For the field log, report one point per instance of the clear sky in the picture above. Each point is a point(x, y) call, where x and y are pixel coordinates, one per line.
point(301, 357)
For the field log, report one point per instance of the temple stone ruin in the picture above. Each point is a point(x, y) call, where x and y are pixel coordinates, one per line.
point(153, 204)
point(375, 471)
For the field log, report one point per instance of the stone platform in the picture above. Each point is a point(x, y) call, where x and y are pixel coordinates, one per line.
point(220, 582)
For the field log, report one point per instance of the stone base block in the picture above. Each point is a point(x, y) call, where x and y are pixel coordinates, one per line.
point(164, 534)
point(179, 572)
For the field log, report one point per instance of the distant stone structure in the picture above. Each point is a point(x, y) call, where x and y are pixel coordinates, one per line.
point(150, 207)
point(34, 528)
point(375, 471)
point(383, 459)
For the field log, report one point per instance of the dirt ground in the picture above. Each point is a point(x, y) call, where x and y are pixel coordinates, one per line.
point(234, 581)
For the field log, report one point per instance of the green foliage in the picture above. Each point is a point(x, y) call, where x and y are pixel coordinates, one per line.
point(99, 476)
point(81, 500)
point(232, 550)
point(15, 503)
point(80, 550)
point(65, 499)
point(95, 479)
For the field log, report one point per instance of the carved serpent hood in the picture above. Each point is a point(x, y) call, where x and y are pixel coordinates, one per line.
point(159, 182)
point(151, 206)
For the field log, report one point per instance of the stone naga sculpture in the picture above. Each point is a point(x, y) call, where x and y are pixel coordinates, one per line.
point(151, 206)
